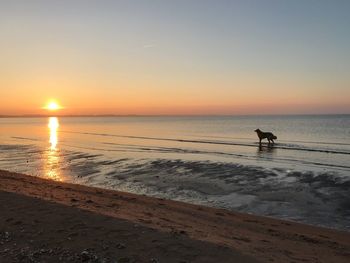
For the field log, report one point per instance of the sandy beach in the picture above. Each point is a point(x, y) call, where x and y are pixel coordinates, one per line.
point(48, 221)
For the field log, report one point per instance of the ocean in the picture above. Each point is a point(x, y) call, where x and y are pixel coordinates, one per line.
point(208, 160)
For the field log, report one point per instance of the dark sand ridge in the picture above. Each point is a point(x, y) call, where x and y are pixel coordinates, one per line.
point(266, 239)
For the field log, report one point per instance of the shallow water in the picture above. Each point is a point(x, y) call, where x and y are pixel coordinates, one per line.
point(213, 161)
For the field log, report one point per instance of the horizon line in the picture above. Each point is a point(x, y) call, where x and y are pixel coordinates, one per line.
point(161, 115)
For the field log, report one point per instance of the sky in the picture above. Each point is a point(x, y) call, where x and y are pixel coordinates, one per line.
point(175, 57)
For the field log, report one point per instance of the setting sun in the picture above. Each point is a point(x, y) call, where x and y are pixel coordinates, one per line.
point(52, 106)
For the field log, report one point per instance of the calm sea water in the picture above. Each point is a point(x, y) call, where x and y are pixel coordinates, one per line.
point(214, 161)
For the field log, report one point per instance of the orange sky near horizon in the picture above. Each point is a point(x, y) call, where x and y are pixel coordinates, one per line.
point(147, 96)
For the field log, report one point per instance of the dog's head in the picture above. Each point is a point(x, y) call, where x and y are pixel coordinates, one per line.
point(257, 130)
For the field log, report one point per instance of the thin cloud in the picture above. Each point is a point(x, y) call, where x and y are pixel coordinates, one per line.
point(149, 46)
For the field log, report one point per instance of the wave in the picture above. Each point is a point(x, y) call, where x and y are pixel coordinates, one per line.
point(284, 141)
point(141, 148)
point(24, 138)
point(276, 145)
point(134, 148)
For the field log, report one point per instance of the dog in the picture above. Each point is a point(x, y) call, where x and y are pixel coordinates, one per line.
point(268, 135)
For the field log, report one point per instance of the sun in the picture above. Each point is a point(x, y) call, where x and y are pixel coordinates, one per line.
point(52, 106)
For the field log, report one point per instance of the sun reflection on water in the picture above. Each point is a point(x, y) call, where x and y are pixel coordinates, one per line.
point(53, 127)
point(52, 156)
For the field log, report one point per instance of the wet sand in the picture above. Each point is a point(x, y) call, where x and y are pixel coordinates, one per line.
point(47, 221)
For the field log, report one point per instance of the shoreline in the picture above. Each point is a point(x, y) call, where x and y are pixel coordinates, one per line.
point(258, 238)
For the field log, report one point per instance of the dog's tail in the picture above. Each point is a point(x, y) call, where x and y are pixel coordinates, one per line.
point(274, 137)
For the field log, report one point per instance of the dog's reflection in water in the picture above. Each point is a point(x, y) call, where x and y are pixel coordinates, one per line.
point(265, 149)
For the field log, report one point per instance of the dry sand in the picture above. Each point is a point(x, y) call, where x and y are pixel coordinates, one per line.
point(82, 223)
